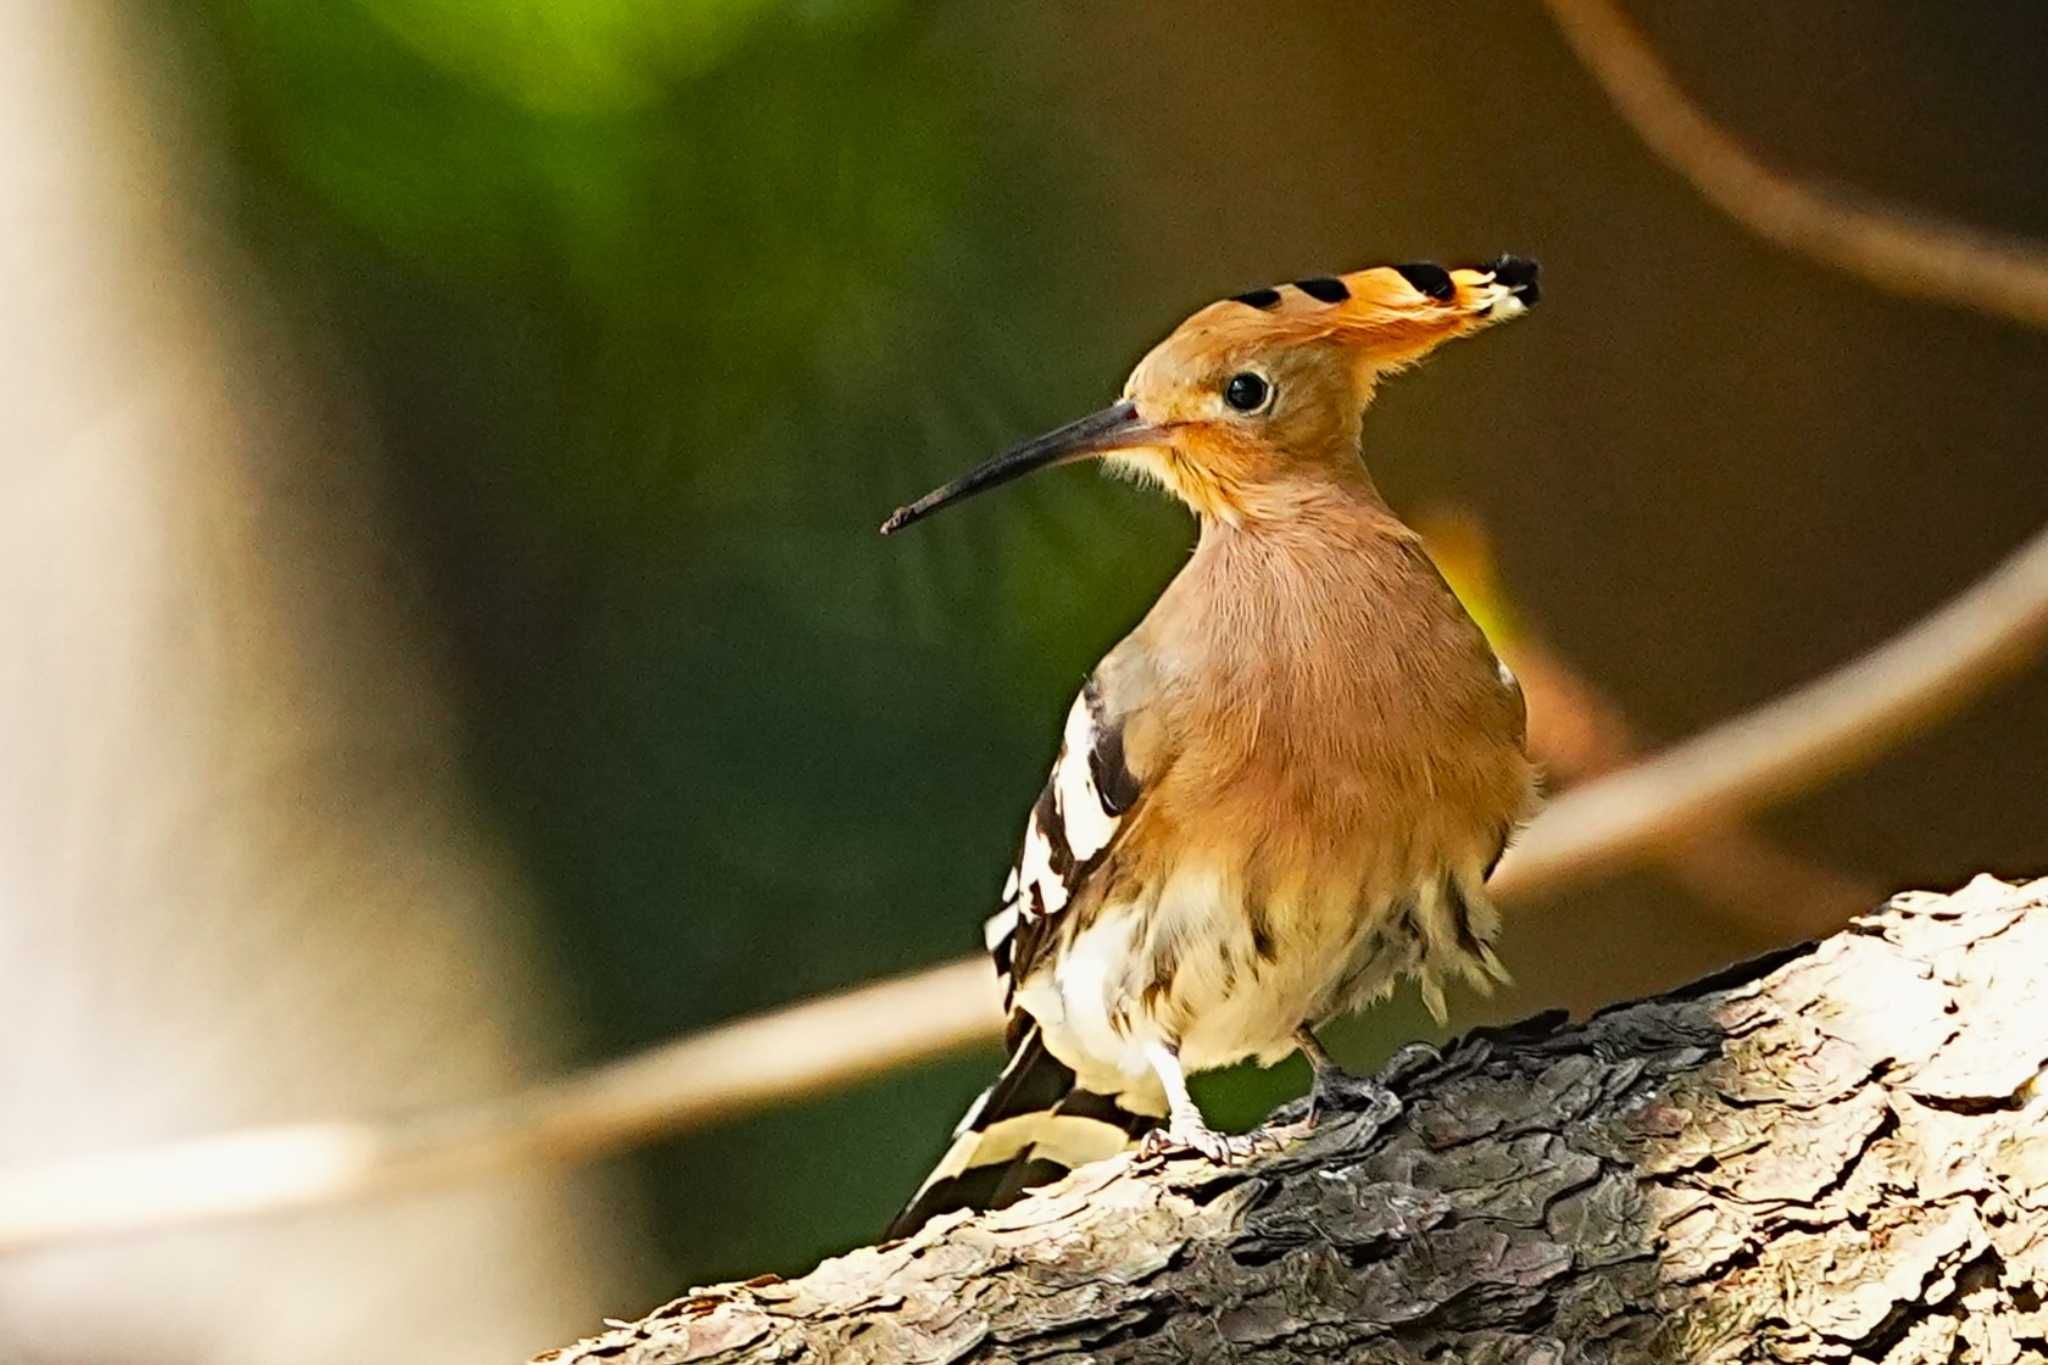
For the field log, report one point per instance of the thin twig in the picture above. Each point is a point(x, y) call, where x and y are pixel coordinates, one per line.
point(1797, 741)
point(1783, 747)
point(1734, 870)
point(1578, 734)
point(819, 1045)
point(1899, 250)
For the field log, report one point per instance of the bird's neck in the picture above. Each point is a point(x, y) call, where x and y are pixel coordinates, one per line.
point(1295, 592)
point(1310, 539)
point(1315, 646)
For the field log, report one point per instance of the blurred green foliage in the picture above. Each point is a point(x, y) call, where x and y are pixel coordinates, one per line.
point(657, 307)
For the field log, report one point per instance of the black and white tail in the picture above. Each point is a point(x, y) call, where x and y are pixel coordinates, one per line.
point(1029, 1128)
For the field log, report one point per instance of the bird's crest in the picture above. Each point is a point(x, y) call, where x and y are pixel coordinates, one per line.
point(1255, 399)
point(1393, 314)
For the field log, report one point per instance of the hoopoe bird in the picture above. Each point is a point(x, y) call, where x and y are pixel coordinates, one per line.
point(1284, 791)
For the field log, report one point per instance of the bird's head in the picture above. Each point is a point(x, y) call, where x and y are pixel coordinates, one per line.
point(1258, 397)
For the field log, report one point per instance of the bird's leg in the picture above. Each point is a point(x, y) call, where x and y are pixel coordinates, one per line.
point(1335, 1088)
point(1186, 1128)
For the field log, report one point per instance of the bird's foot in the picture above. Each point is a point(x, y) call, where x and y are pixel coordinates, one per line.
point(1337, 1092)
point(1225, 1149)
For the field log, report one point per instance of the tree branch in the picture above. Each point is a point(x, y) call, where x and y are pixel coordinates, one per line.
point(1797, 741)
point(819, 1045)
point(1578, 734)
point(1899, 250)
point(1839, 1154)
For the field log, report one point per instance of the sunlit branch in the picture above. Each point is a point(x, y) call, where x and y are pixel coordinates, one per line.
point(820, 1045)
point(1577, 734)
point(1797, 741)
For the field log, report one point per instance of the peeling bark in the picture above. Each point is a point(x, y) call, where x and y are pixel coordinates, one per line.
point(1837, 1154)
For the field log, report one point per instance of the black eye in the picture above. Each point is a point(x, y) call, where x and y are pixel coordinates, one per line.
point(1247, 392)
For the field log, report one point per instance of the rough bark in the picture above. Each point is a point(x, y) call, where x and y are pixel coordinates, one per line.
point(1837, 1154)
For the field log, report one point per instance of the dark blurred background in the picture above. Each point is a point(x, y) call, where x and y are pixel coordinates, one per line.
point(638, 315)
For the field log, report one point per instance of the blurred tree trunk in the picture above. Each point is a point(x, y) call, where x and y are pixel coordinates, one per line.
point(1836, 1155)
point(238, 878)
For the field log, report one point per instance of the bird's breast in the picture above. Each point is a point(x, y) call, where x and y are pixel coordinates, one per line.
point(1224, 951)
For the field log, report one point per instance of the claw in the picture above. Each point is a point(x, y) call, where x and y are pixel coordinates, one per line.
point(1338, 1091)
point(1335, 1088)
point(1225, 1149)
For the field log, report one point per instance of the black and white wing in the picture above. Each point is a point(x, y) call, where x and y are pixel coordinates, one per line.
point(1036, 1122)
point(1073, 825)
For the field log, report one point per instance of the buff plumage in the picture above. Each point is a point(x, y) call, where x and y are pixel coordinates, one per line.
point(1282, 793)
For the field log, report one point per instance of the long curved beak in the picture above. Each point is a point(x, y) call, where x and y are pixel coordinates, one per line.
point(1116, 427)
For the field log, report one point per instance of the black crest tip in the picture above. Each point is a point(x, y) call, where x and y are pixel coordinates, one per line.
point(1518, 273)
